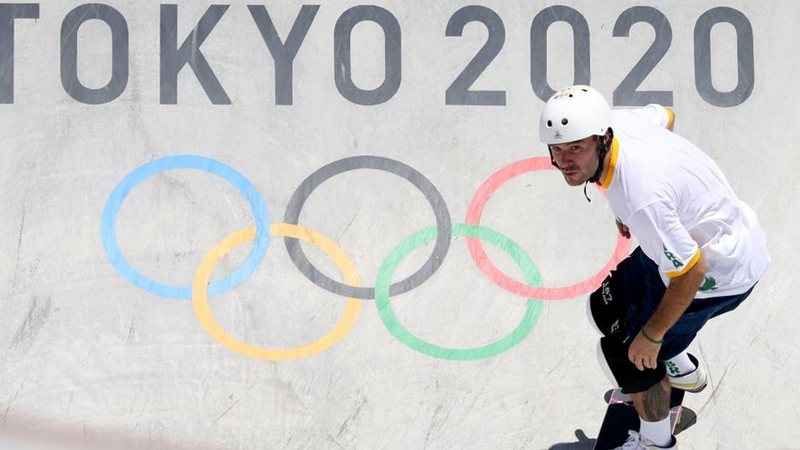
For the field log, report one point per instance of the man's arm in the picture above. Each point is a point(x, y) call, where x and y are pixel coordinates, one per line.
point(643, 352)
point(679, 295)
point(654, 114)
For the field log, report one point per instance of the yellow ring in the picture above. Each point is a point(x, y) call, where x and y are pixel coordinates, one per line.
point(203, 311)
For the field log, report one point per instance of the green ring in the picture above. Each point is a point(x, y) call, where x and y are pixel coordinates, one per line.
point(391, 322)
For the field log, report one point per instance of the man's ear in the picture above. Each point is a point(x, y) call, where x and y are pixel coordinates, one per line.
point(608, 136)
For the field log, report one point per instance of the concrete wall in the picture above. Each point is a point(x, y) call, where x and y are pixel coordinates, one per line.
point(230, 111)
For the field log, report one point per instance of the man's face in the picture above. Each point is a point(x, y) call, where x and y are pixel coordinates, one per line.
point(577, 160)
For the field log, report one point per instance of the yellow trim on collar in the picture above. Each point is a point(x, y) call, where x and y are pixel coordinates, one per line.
point(612, 166)
point(688, 266)
point(671, 116)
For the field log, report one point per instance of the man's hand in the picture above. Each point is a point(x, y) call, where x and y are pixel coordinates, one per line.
point(623, 229)
point(643, 353)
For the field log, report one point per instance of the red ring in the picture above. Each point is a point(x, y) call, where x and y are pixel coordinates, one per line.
point(482, 261)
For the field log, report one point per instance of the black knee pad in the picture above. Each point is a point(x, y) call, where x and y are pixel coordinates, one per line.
point(606, 311)
point(617, 304)
point(627, 376)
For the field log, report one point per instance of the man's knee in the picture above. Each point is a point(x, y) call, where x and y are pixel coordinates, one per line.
point(605, 312)
point(612, 354)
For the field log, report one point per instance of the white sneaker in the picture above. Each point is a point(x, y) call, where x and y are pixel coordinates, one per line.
point(638, 442)
point(694, 381)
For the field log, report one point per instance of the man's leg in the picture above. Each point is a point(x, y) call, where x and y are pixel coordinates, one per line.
point(609, 310)
point(652, 406)
point(611, 307)
point(649, 389)
point(684, 370)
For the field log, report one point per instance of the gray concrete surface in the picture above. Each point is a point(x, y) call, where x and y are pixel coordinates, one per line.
point(90, 360)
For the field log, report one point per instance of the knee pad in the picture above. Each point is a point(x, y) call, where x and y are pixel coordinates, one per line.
point(612, 353)
point(590, 316)
point(605, 312)
point(604, 367)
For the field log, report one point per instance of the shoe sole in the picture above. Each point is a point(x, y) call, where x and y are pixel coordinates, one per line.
point(688, 387)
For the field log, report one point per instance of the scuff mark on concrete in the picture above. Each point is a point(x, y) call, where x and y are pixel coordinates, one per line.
point(131, 332)
point(440, 416)
point(225, 412)
point(19, 247)
point(19, 236)
point(562, 359)
point(34, 321)
point(352, 417)
point(338, 239)
point(716, 390)
point(8, 407)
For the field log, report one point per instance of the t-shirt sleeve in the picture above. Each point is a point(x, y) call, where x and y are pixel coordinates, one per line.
point(664, 239)
point(654, 114)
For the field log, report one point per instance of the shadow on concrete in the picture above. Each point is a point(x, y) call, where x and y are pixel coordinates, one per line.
point(582, 443)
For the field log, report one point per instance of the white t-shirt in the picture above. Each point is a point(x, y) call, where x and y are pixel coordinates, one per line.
point(678, 204)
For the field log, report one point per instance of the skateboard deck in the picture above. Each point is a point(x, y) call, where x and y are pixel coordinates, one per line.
point(621, 417)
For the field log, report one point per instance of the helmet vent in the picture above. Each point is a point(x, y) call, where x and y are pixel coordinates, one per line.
point(564, 121)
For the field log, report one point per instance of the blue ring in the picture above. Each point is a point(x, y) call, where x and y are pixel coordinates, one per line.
point(141, 173)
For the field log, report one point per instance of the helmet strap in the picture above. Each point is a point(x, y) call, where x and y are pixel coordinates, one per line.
point(601, 156)
point(584, 192)
point(552, 160)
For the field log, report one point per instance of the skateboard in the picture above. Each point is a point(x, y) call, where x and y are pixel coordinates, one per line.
point(621, 417)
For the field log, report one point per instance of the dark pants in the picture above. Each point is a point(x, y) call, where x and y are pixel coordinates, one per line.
point(627, 299)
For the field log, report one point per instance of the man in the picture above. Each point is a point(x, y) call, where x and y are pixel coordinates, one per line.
point(701, 249)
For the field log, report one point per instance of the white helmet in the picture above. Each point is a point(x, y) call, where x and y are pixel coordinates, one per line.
point(574, 113)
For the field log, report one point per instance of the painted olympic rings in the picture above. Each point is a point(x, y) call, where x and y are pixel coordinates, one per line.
point(145, 171)
point(435, 199)
point(203, 311)
point(485, 265)
point(388, 267)
point(200, 288)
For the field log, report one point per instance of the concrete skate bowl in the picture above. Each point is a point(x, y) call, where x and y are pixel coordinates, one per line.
point(239, 225)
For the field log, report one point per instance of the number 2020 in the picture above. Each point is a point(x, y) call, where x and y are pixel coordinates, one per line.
point(626, 93)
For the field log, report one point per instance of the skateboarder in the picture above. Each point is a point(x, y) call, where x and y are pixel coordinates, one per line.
point(701, 249)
